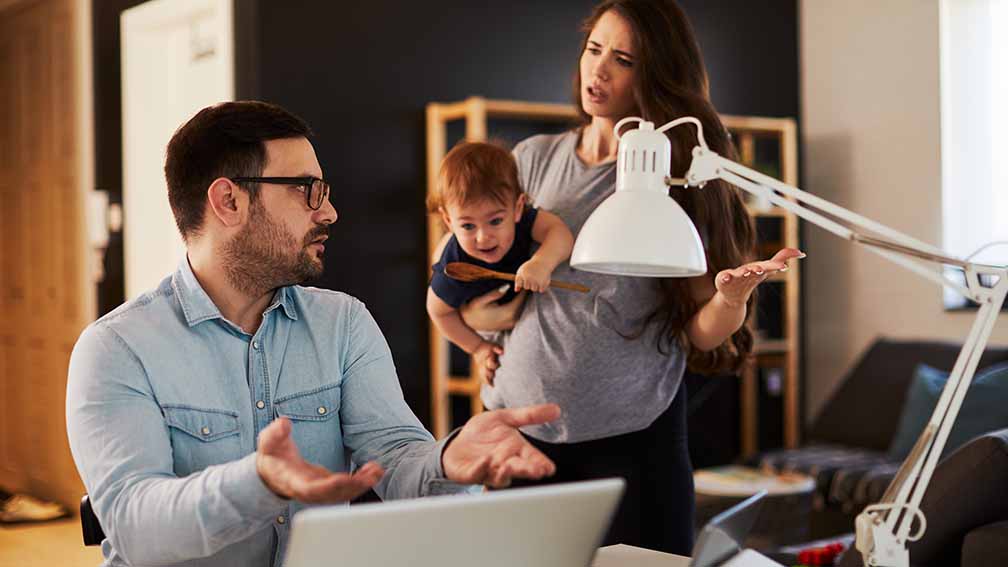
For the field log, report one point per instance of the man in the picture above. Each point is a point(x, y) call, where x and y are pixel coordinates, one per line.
point(203, 414)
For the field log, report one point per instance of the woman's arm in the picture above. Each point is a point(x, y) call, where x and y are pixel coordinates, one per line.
point(723, 299)
point(717, 319)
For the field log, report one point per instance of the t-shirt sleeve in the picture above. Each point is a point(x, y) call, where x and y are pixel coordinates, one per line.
point(449, 290)
point(523, 155)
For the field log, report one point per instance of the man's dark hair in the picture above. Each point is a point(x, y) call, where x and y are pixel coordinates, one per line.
point(224, 140)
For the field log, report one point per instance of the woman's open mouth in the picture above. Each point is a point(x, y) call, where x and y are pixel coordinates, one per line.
point(596, 95)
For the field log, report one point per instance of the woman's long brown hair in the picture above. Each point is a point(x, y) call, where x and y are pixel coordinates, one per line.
point(671, 81)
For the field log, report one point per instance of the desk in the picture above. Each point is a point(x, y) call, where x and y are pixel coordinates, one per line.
point(630, 556)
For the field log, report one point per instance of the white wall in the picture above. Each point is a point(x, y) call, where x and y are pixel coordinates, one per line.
point(177, 57)
point(871, 142)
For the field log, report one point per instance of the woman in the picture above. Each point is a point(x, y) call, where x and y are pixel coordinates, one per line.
point(614, 362)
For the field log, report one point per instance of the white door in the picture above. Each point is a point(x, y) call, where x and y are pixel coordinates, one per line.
point(177, 57)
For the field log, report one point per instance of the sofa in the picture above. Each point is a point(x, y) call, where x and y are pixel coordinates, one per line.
point(966, 507)
point(846, 448)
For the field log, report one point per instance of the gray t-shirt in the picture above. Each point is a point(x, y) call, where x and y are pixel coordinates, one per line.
point(567, 346)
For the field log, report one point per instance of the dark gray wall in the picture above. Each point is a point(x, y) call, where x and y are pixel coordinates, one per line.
point(361, 74)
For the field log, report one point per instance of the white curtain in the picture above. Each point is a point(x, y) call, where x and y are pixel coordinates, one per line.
point(974, 123)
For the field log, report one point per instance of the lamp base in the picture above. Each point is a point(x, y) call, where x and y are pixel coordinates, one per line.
point(878, 547)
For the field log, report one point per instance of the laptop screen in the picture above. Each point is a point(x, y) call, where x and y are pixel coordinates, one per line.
point(722, 538)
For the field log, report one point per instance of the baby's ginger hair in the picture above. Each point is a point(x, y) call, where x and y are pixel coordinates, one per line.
point(473, 172)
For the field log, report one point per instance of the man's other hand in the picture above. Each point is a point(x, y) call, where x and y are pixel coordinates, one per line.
point(490, 450)
point(288, 475)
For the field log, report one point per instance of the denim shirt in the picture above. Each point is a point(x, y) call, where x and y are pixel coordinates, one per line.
point(165, 400)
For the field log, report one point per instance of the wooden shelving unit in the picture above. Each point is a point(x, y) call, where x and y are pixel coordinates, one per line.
point(780, 137)
point(750, 134)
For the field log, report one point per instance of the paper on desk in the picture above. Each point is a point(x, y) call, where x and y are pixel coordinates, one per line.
point(629, 556)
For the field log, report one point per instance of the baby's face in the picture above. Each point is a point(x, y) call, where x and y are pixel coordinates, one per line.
point(484, 229)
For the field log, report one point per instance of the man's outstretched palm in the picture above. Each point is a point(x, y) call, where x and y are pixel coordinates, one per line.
point(286, 473)
point(490, 450)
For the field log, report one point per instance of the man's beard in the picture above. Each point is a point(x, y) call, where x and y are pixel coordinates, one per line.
point(259, 257)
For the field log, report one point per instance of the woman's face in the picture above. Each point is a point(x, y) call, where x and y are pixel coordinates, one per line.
point(607, 69)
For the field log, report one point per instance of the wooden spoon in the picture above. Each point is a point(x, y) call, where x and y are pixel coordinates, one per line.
point(466, 272)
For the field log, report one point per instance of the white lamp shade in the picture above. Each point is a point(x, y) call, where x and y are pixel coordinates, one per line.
point(639, 230)
point(639, 233)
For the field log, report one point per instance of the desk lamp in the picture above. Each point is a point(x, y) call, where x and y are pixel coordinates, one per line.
point(641, 231)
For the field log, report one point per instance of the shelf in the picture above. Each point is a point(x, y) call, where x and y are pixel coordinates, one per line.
point(466, 385)
point(752, 135)
point(771, 346)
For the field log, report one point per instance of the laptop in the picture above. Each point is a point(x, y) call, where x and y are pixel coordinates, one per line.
point(720, 542)
point(559, 525)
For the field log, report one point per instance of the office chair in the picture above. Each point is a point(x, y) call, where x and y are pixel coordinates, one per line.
point(92, 530)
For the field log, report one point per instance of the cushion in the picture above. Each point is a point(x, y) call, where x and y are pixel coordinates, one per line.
point(982, 410)
point(876, 385)
point(855, 488)
point(826, 463)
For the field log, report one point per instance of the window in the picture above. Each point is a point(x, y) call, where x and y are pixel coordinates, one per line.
point(974, 131)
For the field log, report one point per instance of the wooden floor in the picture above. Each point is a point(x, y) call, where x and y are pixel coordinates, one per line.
point(45, 545)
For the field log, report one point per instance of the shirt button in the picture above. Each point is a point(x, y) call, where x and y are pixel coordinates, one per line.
point(321, 410)
point(281, 519)
point(255, 345)
point(205, 430)
point(260, 404)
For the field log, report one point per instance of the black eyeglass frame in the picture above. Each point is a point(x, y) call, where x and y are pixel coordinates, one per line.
point(306, 182)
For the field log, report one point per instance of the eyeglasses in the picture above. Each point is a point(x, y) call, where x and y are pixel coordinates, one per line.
point(316, 190)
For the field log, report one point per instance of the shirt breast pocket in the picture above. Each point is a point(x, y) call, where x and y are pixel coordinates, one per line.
point(202, 437)
point(314, 416)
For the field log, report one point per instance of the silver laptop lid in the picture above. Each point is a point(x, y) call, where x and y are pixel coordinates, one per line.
point(557, 525)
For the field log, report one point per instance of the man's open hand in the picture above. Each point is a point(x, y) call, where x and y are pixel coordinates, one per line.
point(490, 450)
point(288, 475)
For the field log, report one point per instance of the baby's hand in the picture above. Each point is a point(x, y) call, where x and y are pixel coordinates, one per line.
point(533, 276)
point(485, 360)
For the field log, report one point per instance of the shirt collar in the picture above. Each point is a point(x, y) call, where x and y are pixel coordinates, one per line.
point(284, 297)
point(198, 307)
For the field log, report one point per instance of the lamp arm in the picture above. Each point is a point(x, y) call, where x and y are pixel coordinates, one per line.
point(884, 529)
point(707, 165)
point(943, 418)
point(896, 247)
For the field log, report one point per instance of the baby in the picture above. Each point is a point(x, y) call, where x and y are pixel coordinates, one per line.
point(481, 203)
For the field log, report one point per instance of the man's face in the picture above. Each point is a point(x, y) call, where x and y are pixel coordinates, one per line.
point(283, 239)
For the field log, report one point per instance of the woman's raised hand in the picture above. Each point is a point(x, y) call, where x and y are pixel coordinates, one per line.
point(736, 285)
